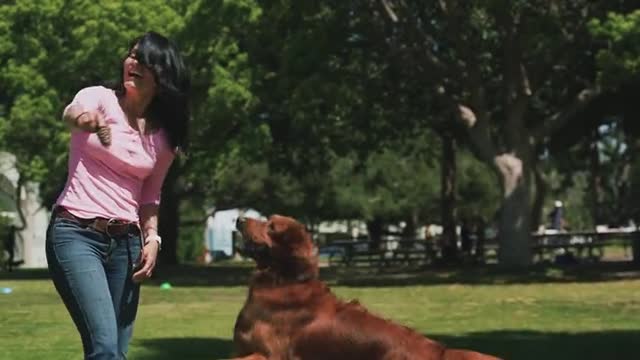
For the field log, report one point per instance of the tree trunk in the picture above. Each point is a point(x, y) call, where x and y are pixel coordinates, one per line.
point(540, 193)
point(169, 218)
point(374, 228)
point(409, 231)
point(514, 226)
point(595, 180)
point(448, 198)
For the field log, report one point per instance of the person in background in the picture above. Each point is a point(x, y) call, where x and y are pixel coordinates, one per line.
point(556, 217)
point(103, 240)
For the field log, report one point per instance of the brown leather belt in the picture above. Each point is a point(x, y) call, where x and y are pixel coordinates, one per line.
point(111, 227)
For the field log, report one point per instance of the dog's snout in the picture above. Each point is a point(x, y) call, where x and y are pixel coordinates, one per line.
point(240, 221)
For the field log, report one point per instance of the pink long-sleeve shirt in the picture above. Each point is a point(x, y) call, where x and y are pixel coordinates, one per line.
point(114, 181)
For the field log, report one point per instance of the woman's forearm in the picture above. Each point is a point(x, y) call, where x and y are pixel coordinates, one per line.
point(71, 115)
point(77, 117)
point(149, 220)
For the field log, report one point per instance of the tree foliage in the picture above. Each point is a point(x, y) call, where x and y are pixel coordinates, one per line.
point(48, 51)
point(619, 59)
point(335, 109)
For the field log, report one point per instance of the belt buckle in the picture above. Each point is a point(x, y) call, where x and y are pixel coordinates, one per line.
point(106, 229)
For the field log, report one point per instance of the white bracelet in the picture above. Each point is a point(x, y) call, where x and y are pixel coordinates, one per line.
point(155, 237)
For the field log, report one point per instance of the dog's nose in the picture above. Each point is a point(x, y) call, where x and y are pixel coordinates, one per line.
point(240, 221)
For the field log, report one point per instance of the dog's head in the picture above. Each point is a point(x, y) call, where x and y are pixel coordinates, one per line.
point(281, 245)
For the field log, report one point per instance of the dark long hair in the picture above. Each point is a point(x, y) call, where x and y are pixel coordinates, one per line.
point(169, 108)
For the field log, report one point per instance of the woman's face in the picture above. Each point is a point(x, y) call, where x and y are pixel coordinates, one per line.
point(138, 78)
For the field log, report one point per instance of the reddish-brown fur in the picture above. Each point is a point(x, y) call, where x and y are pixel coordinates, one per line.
point(290, 314)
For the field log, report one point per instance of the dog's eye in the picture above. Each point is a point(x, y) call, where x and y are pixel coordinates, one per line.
point(271, 228)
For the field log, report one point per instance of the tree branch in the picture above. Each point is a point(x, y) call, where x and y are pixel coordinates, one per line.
point(426, 39)
point(559, 119)
point(390, 11)
point(515, 78)
point(478, 131)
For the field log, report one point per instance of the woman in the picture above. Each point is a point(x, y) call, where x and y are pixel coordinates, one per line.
point(103, 237)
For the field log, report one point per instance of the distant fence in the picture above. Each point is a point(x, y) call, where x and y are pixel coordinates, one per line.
point(582, 246)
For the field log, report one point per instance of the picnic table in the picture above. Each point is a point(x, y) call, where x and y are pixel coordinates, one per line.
point(390, 251)
point(588, 245)
point(585, 244)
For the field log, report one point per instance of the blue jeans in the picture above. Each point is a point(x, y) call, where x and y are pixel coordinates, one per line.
point(92, 273)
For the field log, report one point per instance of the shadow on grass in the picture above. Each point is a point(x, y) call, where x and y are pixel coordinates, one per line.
point(192, 348)
point(534, 345)
point(238, 275)
point(491, 275)
point(508, 344)
point(187, 275)
point(25, 274)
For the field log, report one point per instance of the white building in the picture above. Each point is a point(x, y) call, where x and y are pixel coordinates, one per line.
point(30, 241)
point(220, 229)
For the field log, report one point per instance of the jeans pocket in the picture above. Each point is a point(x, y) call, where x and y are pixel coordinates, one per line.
point(60, 231)
point(68, 240)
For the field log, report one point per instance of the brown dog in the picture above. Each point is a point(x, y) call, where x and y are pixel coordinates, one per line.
point(290, 314)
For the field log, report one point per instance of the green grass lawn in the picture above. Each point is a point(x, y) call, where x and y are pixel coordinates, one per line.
point(550, 314)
